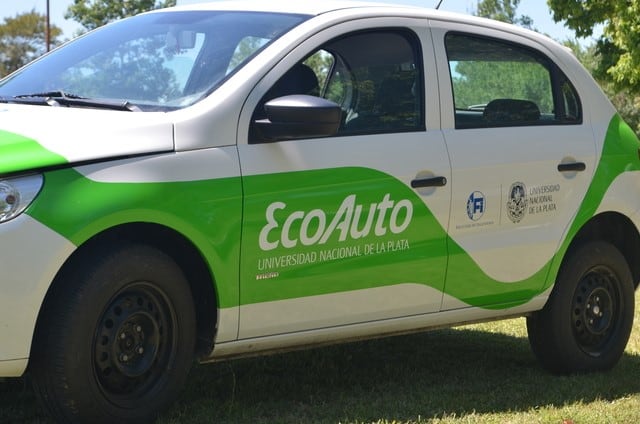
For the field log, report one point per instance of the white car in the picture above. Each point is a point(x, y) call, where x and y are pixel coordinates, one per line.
point(211, 181)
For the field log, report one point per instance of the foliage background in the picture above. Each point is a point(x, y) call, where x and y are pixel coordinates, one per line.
point(23, 39)
point(94, 13)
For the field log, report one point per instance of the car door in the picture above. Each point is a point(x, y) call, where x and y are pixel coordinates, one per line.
point(333, 232)
point(522, 159)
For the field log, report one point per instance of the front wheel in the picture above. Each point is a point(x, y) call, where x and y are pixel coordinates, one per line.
point(116, 339)
point(587, 320)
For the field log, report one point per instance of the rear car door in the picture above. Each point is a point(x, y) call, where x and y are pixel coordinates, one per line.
point(522, 159)
point(333, 232)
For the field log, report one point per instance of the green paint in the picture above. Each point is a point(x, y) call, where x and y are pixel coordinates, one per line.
point(424, 262)
point(206, 212)
point(620, 154)
point(365, 265)
point(19, 153)
point(209, 213)
point(471, 285)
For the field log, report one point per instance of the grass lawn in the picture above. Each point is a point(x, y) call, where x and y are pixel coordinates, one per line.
point(473, 374)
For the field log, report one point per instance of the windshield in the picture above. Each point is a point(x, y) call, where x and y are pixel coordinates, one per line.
point(158, 61)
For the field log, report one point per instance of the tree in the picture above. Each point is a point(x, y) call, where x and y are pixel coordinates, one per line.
point(618, 45)
point(92, 14)
point(627, 104)
point(22, 39)
point(504, 11)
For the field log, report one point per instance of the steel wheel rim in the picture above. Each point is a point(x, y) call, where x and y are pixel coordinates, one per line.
point(596, 309)
point(134, 342)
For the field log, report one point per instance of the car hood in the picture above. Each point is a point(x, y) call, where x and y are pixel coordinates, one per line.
point(35, 137)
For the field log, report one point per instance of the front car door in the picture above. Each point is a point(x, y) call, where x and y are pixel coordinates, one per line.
point(333, 232)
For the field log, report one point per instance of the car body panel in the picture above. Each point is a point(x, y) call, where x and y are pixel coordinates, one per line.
point(311, 241)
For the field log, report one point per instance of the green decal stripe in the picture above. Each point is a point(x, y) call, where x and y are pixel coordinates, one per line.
point(415, 255)
point(19, 153)
point(423, 262)
point(206, 212)
point(469, 284)
point(619, 155)
point(209, 213)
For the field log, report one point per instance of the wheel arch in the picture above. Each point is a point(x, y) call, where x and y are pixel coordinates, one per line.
point(174, 244)
point(617, 229)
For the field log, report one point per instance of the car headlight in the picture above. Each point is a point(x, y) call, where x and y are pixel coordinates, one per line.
point(17, 193)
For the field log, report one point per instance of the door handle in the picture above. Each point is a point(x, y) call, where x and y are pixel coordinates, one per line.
point(572, 167)
point(429, 182)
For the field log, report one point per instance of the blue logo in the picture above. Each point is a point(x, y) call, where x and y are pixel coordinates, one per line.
point(475, 206)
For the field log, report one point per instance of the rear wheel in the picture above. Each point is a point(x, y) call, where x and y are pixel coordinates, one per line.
point(586, 323)
point(116, 339)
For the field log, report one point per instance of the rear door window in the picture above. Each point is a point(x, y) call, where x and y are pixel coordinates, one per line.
point(501, 84)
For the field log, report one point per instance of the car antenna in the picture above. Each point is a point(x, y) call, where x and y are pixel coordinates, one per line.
point(439, 3)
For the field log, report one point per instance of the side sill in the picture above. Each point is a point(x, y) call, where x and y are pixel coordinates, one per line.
point(367, 330)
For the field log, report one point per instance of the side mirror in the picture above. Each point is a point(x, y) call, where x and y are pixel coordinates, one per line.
point(299, 116)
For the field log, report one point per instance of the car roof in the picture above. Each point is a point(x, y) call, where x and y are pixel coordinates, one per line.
point(304, 7)
point(354, 9)
point(314, 8)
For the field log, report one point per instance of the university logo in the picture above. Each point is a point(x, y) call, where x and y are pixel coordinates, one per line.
point(475, 206)
point(517, 203)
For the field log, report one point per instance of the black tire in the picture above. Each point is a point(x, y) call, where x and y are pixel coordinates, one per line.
point(587, 320)
point(116, 339)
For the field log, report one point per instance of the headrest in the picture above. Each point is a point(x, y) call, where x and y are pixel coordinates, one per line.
point(510, 111)
point(298, 80)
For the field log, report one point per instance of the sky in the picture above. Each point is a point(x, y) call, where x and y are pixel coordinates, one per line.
point(535, 9)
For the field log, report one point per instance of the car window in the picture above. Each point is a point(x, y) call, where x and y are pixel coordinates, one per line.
point(497, 84)
point(158, 61)
point(322, 63)
point(245, 48)
point(378, 89)
point(159, 70)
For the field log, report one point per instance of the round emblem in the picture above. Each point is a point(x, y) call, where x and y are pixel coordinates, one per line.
point(475, 206)
point(517, 203)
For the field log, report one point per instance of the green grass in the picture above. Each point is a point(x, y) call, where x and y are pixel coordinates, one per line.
point(474, 374)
